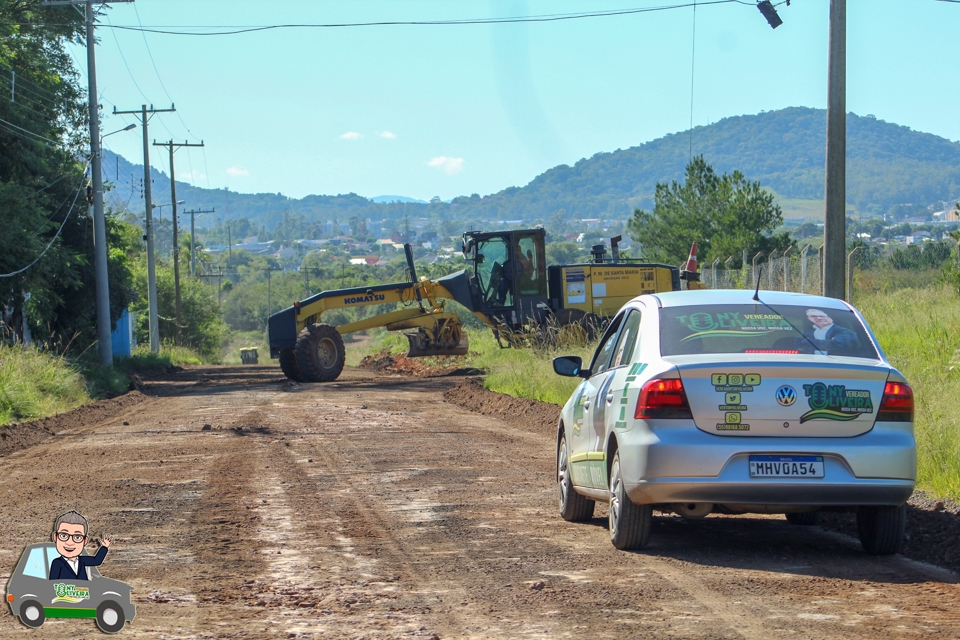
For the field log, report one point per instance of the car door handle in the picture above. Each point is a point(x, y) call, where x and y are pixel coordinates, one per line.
point(610, 398)
point(586, 404)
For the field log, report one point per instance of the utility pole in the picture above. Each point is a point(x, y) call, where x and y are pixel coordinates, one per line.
point(835, 217)
point(145, 114)
point(104, 344)
point(172, 146)
point(193, 236)
point(269, 271)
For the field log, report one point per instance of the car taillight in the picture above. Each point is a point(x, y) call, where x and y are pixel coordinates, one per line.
point(897, 403)
point(662, 399)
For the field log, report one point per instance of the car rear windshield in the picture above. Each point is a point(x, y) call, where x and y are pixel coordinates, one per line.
point(779, 329)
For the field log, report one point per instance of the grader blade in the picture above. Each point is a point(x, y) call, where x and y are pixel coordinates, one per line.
point(417, 350)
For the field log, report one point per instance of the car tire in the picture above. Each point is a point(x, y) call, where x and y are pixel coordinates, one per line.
point(881, 529)
point(110, 616)
point(629, 523)
point(573, 506)
point(32, 614)
point(288, 364)
point(804, 519)
point(320, 353)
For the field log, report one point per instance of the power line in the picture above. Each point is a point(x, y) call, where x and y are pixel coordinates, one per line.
point(124, 58)
point(41, 139)
point(83, 178)
point(157, 71)
point(67, 217)
point(556, 17)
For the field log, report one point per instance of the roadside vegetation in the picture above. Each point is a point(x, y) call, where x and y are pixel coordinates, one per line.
point(917, 329)
point(34, 384)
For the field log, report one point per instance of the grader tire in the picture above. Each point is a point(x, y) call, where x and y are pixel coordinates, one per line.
point(288, 364)
point(320, 353)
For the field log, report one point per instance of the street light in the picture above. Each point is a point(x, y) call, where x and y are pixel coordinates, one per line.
point(126, 128)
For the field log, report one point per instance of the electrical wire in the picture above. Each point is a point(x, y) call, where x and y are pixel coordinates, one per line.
point(54, 239)
point(83, 179)
point(157, 71)
point(41, 139)
point(227, 30)
point(124, 58)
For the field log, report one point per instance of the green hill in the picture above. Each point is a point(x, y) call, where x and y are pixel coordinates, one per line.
point(887, 165)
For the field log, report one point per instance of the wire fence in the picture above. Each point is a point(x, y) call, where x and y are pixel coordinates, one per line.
point(799, 272)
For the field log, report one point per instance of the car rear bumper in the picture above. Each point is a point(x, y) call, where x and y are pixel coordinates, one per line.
point(765, 492)
point(683, 464)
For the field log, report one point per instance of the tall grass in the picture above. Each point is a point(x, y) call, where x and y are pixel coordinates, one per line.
point(34, 384)
point(919, 329)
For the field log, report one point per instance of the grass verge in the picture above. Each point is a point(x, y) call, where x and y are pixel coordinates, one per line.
point(34, 384)
point(917, 329)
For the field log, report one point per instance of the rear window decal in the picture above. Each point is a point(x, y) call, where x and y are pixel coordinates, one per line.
point(835, 402)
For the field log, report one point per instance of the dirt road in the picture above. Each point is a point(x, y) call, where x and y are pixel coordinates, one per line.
point(372, 508)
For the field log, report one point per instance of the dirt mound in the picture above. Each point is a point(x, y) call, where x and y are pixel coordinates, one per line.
point(20, 435)
point(530, 415)
point(385, 362)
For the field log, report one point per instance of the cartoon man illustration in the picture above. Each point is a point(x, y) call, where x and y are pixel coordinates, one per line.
point(70, 536)
point(829, 337)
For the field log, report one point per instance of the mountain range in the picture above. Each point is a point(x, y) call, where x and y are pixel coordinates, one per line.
point(887, 165)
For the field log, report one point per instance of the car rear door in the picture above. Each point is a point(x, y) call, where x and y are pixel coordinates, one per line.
point(623, 377)
point(587, 462)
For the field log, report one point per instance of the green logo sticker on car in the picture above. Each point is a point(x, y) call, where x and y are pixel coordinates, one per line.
point(835, 402)
point(734, 383)
point(70, 593)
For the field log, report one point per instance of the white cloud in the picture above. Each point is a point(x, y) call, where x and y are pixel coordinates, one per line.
point(191, 175)
point(450, 166)
point(387, 134)
point(237, 171)
point(351, 135)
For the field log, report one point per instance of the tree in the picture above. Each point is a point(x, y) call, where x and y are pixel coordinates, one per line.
point(725, 215)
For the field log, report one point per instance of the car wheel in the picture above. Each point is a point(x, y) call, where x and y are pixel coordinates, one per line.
point(881, 529)
point(806, 518)
point(320, 353)
point(573, 506)
point(32, 613)
point(629, 522)
point(110, 617)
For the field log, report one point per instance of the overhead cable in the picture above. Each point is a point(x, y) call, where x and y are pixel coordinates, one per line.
point(228, 30)
point(54, 239)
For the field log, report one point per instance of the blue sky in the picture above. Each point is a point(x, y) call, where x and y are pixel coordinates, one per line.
point(426, 111)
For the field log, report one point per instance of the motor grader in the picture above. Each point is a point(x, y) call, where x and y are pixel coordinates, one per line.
point(509, 287)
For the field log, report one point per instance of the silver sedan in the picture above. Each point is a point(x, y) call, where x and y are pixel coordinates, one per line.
point(700, 402)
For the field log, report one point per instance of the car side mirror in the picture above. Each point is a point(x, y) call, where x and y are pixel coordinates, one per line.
point(570, 366)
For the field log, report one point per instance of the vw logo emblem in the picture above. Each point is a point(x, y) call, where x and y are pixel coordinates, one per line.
point(786, 396)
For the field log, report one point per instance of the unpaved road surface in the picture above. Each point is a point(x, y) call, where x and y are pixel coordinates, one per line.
point(372, 508)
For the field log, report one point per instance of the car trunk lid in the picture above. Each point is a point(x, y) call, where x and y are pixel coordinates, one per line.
point(821, 397)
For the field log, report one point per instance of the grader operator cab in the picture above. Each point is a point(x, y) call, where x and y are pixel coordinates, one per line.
point(509, 287)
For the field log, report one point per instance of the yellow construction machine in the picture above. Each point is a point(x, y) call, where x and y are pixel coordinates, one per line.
point(509, 288)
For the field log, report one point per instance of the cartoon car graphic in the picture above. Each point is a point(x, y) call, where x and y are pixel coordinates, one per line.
point(33, 598)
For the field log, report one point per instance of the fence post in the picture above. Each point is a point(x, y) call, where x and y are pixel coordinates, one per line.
point(756, 280)
point(786, 267)
point(715, 263)
point(850, 274)
point(770, 267)
point(804, 254)
point(820, 265)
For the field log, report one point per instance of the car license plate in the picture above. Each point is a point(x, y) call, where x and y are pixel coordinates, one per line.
point(786, 466)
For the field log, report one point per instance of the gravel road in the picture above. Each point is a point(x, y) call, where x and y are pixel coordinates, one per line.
point(244, 506)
